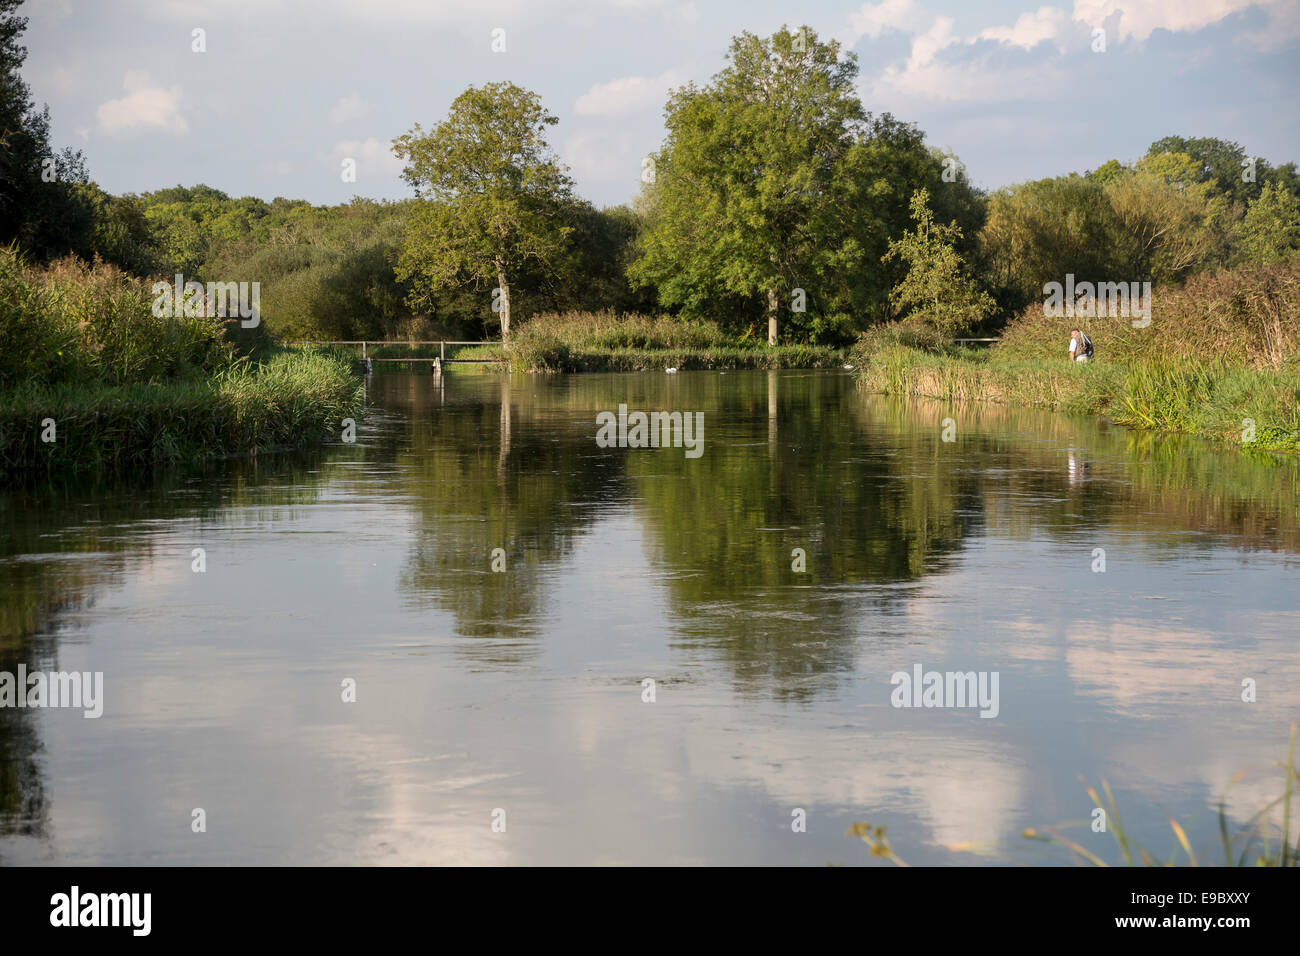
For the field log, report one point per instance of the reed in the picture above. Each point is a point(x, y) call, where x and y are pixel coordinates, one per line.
point(606, 342)
point(1220, 359)
point(288, 401)
point(1258, 841)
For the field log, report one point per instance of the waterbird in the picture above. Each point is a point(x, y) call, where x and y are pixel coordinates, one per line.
point(848, 368)
point(671, 371)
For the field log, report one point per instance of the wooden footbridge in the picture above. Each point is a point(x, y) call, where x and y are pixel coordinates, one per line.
point(437, 361)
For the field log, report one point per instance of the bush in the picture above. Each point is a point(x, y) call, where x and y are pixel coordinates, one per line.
point(75, 321)
point(1247, 316)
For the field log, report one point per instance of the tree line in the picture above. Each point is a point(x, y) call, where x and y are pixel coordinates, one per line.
point(777, 206)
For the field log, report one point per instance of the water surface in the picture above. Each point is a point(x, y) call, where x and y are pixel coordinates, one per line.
point(522, 689)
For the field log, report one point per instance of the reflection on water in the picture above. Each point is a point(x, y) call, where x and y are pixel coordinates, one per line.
point(522, 689)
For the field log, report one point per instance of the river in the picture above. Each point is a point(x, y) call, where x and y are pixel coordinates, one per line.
point(1127, 591)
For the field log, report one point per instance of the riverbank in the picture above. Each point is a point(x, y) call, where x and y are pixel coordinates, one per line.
point(606, 342)
point(1219, 360)
point(288, 401)
point(93, 380)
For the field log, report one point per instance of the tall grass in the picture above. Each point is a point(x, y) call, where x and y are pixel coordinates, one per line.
point(1219, 359)
point(125, 388)
point(1253, 843)
point(1247, 316)
point(291, 400)
point(79, 322)
point(606, 342)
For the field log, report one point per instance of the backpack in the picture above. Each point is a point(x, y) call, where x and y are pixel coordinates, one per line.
point(1087, 343)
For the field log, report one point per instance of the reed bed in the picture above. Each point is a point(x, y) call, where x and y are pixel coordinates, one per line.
point(1220, 359)
point(94, 380)
point(607, 342)
point(289, 401)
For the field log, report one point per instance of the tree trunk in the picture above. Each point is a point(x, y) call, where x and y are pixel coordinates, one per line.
point(771, 317)
point(505, 305)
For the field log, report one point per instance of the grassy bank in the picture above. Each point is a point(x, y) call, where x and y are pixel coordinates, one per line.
point(288, 401)
point(93, 380)
point(605, 342)
point(1218, 360)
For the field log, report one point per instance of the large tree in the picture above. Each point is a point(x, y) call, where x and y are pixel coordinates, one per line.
point(39, 208)
point(750, 185)
point(493, 195)
point(1220, 162)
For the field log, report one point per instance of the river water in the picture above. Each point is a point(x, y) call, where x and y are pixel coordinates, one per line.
point(1127, 590)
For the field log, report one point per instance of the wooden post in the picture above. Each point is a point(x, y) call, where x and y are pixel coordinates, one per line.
point(442, 351)
point(363, 350)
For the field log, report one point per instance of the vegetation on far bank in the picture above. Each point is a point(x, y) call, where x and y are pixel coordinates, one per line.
point(1221, 359)
point(95, 380)
point(605, 342)
point(755, 247)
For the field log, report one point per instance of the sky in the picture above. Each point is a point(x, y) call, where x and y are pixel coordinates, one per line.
point(286, 90)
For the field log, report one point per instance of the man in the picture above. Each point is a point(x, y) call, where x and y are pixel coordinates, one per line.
point(1080, 346)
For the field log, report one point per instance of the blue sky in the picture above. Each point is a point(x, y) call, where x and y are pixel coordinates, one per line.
point(288, 89)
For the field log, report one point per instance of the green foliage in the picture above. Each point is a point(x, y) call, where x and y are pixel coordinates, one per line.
point(938, 290)
point(493, 194)
point(774, 179)
point(1270, 231)
point(608, 342)
point(1219, 163)
point(1242, 323)
point(1248, 316)
point(39, 212)
point(292, 399)
point(1038, 231)
point(93, 323)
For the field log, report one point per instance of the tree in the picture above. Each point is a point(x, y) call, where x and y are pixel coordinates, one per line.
point(38, 207)
point(1173, 222)
point(494, 195)
point(938, 289)
point(1038, 231)
point(1219, 162)
point(1270, 230)
point(751, 182)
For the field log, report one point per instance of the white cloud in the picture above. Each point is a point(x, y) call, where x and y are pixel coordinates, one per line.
point(374, 158)
point(627, 95)
point(927, 74)
point(144, 107)
point(349, 107)
point(873, 19)
point(607, 155)
point(1030, 29)
point(1138, 19)
point(966, 82)
point(927, 44)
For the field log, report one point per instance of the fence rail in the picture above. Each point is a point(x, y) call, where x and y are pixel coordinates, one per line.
point(367, 344)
